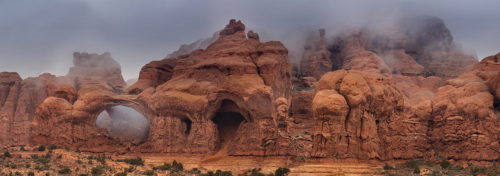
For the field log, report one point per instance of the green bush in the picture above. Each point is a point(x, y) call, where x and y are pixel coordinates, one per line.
point(101, 159)
point(34, 156)
point(7, 154)
point(121, 174)
point(281, 171)
point(31, 173)
point(41, 148)
point(83, 174)
point(98, 170)
point(475, 170)
point(65, 170)
point(22, 148)
point(134, 161)
point(223, 173)
point(412, 164)
point(195, 171)
point(177, 167)
point(388, 167)
point(130, 169)
point(445, 164)
point(18, 174)
point(493, 171)
point(416, 170)
point(52, 147)
point(253, 172)
point(149, 172)
point(163, 167)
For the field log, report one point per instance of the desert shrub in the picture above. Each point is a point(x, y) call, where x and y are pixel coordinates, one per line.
point(134, 161)
point(475, 170)
point(52, 147)
point(130, 169)
point(281, 171)
point(34, 156)
point(83, 174)
point(98, 170)
point(121, 174)
point(176, 167)
point(41, 148)
point(79, 161)
point(416, 170)
point(412, 164)
point(42, 167)
point(43, 160)
point(149, 172)
point(101, 159)
point(22, 148)
point(492, 172)
point(18, 174)
point(388, 167)
point(65, 170)
point(163, 167)
point(31, 173)
point(7, 154)
point(28, 165)
point(254, 172)
point(195, 171)
point(445, 164)
point(223, 173)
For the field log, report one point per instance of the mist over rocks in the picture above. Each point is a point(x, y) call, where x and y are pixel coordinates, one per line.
point(404, 92)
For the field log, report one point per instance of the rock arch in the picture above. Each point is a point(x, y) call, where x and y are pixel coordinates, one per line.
point(124, 123)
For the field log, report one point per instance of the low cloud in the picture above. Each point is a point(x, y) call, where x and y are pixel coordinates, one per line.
point(39, 37)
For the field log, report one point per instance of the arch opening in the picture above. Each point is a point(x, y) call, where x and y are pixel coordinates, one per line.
point(124, 123)
point(228, 119)
point(187, 125)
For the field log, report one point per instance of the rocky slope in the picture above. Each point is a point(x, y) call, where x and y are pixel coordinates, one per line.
point(405, 93)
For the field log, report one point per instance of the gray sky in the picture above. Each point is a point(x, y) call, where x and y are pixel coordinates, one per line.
point(40, 36)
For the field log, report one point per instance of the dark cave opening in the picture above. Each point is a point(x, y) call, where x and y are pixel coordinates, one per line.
point(228, 119)
point(187, 123)
point(496, 104)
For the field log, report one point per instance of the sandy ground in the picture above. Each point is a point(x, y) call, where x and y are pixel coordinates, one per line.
point(219, 161)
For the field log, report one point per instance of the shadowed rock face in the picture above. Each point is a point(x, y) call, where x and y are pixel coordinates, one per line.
point(372, 96)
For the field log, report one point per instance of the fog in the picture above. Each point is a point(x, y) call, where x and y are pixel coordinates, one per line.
point(40, 36)
point(124, 123)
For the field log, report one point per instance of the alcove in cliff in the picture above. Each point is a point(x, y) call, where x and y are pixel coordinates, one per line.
point(228, 119)
point(124, 123)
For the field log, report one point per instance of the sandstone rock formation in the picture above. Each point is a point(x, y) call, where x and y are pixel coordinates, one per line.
point(368, 95)
point(233, 96)
point(465, 116)
point(412, 46)
point(316, 57)
point(153, 74)
point(353, 111)
point(20, 98)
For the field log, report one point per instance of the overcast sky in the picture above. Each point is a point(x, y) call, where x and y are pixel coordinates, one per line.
point(40, 36)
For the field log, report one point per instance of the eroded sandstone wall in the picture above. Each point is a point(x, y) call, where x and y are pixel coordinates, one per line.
point(382, 98)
